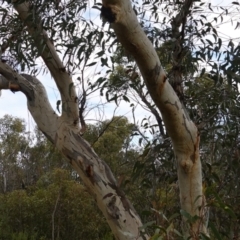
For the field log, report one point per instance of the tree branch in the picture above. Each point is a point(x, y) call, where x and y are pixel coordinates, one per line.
point(153, 111)
point(180, 128)
point(175, 75)
point(48, 52)
point(37, 100)
point(95, 173)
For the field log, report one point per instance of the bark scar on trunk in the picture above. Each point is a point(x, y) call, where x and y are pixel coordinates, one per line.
point(113, 209)
point(186, 165)
point(173, 104)
point(194, 156)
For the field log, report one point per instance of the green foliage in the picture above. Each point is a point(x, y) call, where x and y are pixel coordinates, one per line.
point(111, 141)
point(44, 194)
point(57, 204)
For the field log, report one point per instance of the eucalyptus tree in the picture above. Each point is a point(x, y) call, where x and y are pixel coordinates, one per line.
point(65, 39)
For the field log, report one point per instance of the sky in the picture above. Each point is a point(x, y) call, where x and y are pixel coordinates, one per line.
point(15, 103)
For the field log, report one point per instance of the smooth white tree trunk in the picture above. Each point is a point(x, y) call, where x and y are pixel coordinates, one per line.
point(181, 129)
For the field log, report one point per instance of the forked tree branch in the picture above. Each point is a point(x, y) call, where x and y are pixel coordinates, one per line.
point(95, 173)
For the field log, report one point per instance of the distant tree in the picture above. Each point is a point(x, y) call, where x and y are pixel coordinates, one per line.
point(13, 144)
point(56, 208)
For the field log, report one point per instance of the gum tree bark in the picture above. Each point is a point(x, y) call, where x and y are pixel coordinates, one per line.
point(183, 132)
point(65, 132)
